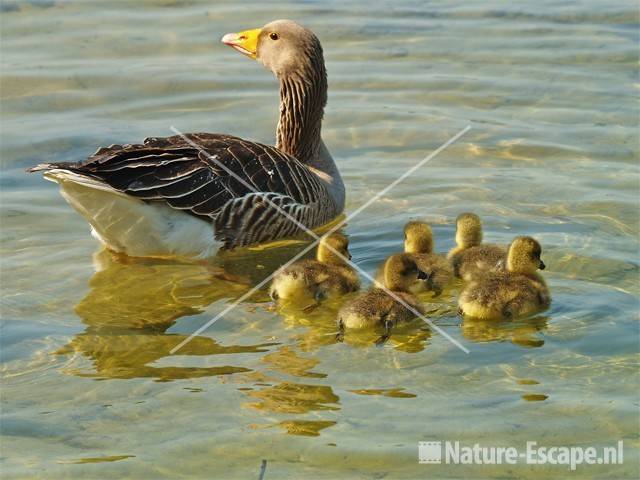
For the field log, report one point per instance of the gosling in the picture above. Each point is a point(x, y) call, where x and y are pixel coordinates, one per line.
point(326, 276)
point(515, 292)
point(376, 307)
point(470, 256)
point(418, 242)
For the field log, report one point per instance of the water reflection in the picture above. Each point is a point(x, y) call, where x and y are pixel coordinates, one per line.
point(385, 392)
point(285, 360)
point(131, 305)
point(412, 338)
point(289, 397)
point(525, 332)
point(306, 428)
point(130, 354)
point(320, 329)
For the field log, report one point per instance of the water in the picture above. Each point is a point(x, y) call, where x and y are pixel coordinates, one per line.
point(550, 91)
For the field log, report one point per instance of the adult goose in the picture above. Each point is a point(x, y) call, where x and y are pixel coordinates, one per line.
point(190, 195)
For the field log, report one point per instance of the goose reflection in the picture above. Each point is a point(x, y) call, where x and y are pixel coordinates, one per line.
point(298, 399)
point(275, 396)
point(130, 306)
point(132, 303)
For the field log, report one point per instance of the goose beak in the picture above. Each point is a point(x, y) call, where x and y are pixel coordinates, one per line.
point(245, 42)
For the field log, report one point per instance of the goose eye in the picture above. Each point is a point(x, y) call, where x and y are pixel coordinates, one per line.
point(273, 36)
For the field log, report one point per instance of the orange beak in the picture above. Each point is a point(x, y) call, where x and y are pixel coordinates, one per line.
point(245, 42)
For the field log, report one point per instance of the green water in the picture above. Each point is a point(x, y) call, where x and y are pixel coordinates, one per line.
point(90, 389)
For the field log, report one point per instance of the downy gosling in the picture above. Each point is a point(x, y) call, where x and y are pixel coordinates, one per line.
point(418, 242)
point(470, 256)
point(376, 307)
point(515, 292)
point(328, 275)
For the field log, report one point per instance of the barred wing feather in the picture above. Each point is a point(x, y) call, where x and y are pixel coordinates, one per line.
point(225, 180)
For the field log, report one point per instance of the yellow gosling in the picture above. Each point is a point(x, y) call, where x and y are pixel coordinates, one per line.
point(376, 307)
point(470, 256)
point(517, 291)
point(328, 275)
point(418, 242)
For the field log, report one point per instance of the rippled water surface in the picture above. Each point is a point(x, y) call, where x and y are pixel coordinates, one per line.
point(549, 88)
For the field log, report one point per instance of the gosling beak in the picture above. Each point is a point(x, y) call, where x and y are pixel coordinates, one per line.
point(422, 275)
point(350, 257)
point(542, 266)
point(245, 42)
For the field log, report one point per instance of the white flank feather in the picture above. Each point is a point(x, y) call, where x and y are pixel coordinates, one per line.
point(129, 225)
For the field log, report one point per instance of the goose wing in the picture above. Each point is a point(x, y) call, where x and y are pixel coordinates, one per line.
point(230, 182)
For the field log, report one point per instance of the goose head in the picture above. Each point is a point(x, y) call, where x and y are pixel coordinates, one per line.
point(418, 238)
point(468, 230)
point(329, 245)
point(293, 53)
point(524, 256)
point(282, 46)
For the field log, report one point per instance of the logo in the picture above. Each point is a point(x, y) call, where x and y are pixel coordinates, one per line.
point(430, 452)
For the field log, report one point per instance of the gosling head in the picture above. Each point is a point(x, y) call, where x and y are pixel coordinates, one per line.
point(283, 46)
point(400, 271)
point(329, 245)
point(418, 238)
point(468, 230)
point(524, 256)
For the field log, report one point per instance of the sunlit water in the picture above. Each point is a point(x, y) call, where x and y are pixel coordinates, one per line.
point(550, 91)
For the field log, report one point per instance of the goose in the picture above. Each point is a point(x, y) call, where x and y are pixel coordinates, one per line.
point(376, 307)
point(326, 276)
point(471, 255)
point(517, 291)
point(192, 195)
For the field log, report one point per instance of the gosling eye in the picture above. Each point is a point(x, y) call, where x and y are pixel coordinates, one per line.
point(273, 36)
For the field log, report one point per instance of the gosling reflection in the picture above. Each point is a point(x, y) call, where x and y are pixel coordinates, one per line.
point(525, 333)
point(129, 308)
point(410, 338)
point(318, 328)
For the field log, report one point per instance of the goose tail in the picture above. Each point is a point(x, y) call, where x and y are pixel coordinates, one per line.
point(126, 224)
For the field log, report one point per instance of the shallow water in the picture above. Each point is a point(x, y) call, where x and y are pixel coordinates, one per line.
point(90, 389)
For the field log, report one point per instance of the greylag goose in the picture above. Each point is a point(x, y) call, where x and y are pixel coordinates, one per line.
point(470, 255)
point(517, 291)
point(190, 195)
